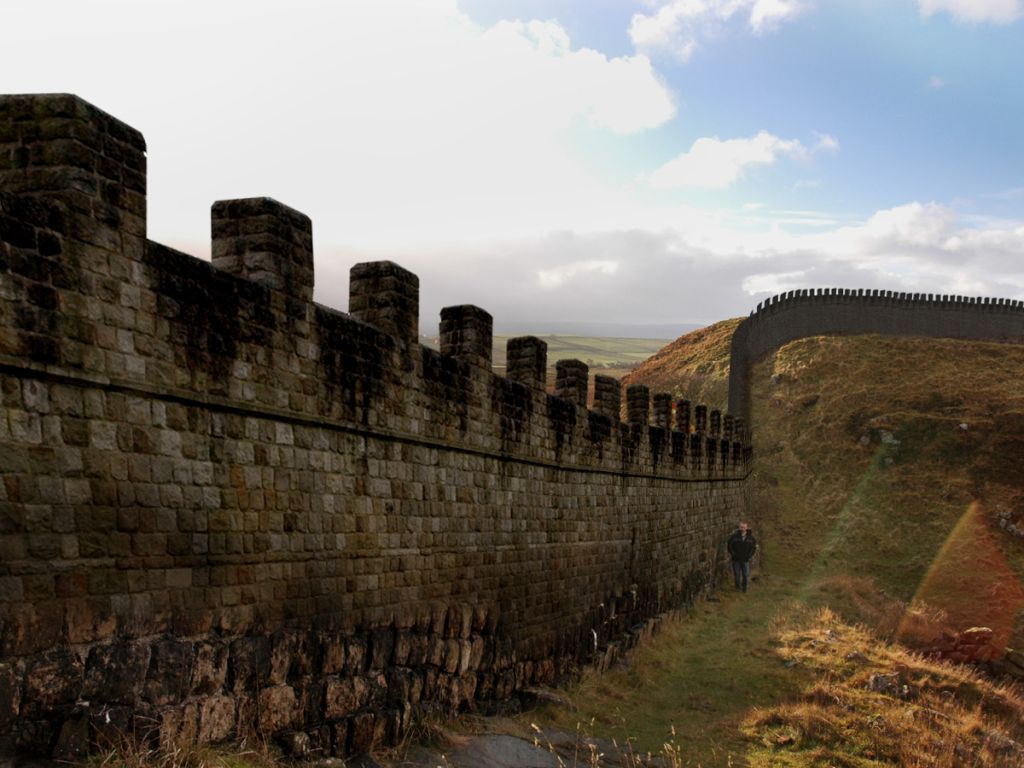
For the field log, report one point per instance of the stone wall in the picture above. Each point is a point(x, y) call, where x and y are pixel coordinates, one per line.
point(226, 509)
point(821, 311)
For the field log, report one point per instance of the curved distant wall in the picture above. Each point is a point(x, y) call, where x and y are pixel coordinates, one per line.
point(823, 311)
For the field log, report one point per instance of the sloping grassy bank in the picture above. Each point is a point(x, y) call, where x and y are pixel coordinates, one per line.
point(887, 474)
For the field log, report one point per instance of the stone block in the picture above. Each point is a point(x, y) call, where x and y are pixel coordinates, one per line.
point(363, 733)
point(571, 380)
point(466, 334)
point(170, 672)
point(73, 738)
point(210, 670)
point(386, 296)
point(265, 241)
point(382, 645)
point(115, 674)
point(249, 664)
point(527, 361)
point(332, 653)
point(340, 697)
point(216, 719)
point(10, 693)
point(52, 680)
point(276, 708)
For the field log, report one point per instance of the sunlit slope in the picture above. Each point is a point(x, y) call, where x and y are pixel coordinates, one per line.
point(694, 366)
point(888, 473)
point(882, 464)
point(898, 462)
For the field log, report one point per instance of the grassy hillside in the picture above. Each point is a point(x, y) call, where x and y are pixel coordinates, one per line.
point(694, 366)
point(888, 474)
point(898, 458)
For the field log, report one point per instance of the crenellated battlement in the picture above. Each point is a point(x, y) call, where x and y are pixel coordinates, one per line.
point(247, 329)
point(876, 297)
point(225, 507)
point(821, 311)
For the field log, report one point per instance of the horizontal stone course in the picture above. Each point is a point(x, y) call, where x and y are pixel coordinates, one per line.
point(227, 510)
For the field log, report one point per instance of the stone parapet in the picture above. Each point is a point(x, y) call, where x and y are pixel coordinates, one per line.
point(227, 510)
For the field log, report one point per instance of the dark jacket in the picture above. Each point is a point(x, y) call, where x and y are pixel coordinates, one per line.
point(742, 549)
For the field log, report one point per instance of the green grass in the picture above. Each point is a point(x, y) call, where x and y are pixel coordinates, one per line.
point(914, 509)
point(595, 351)
point(897, 535)
point(694, 366)
point(699, 676)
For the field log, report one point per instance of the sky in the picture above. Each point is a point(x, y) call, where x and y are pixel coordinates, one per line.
point(628, 163)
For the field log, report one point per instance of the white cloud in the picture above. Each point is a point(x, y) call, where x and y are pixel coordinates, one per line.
point(715, 164)
point(773, 282)
point(911, 225)
point(936, 83)
point(407, 131)
point(766, 15)
point(826, 143)
point(678, 27)
point(975, 11)
point(385, 121)
point(554, 278)
point(713, 265)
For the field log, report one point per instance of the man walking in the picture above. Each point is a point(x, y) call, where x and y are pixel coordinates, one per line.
point(742, 547)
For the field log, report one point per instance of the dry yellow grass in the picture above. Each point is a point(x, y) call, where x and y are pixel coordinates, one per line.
point(872, 703)
point(694, 366)
point(873, 502)
point(889, 461)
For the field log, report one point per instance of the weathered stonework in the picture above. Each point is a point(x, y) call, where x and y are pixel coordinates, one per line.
point(225, 509)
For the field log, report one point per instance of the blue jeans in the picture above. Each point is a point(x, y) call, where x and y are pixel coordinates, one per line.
point(741, 572)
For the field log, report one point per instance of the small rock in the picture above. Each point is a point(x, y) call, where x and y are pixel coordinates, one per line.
point(887, 437)
point(977, 635)
point(1001, 744)
point(962, 427)
point(791, 663)
point(1014, 657)
point(296, 744)
point(864, 440)
point(888, 685)
point(964, 753)
point(537, 695)
point(856, 656)
point(502, 750)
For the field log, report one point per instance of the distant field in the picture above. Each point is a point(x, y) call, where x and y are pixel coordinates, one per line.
point(595, 351)
point(607, 355)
